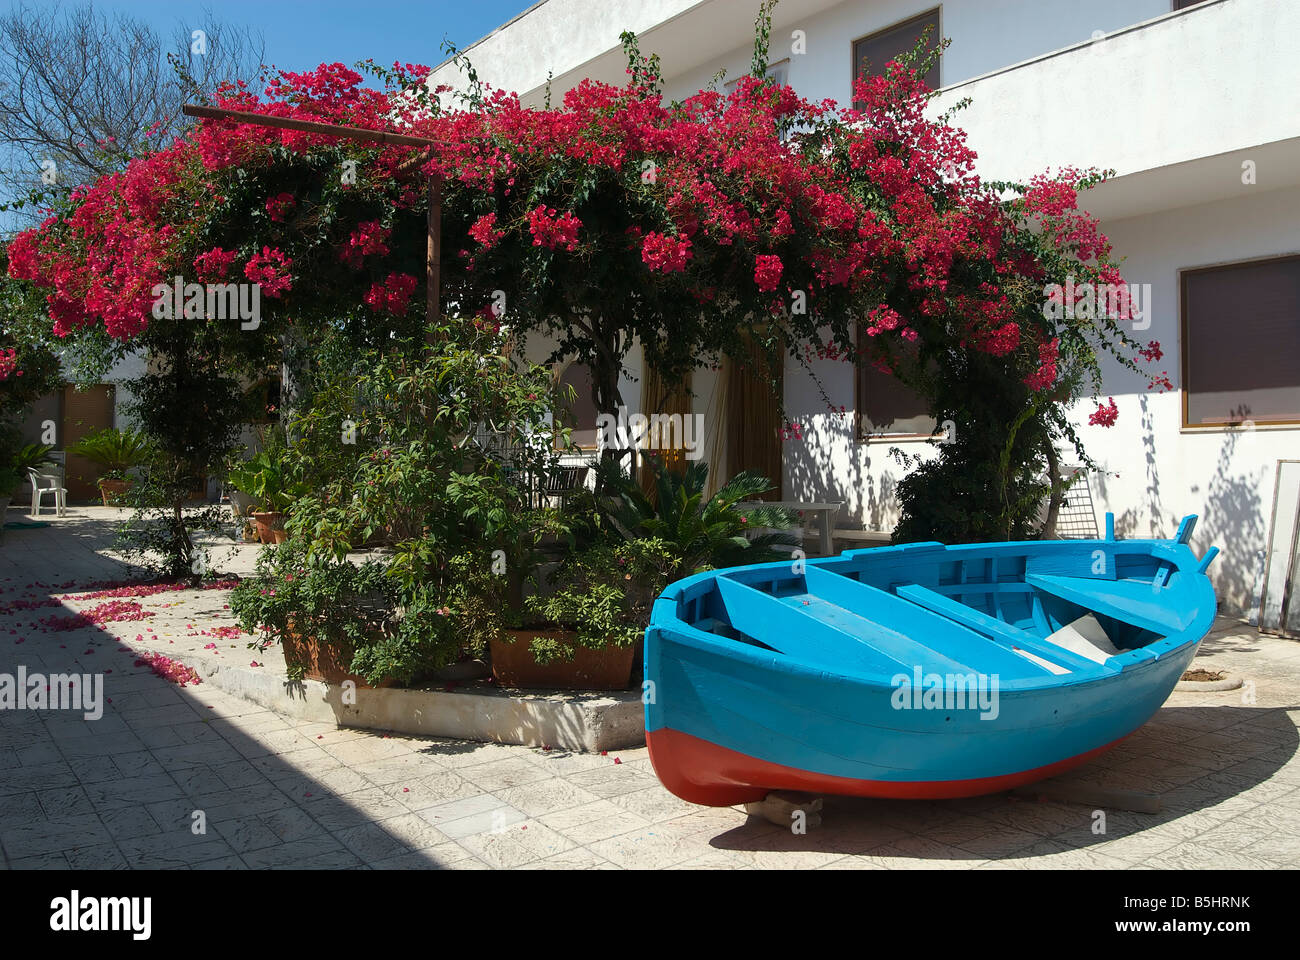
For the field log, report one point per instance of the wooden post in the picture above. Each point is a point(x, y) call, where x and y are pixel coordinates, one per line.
point(433, 257)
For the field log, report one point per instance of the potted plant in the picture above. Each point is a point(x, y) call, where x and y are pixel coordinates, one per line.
point(321, 612)
point(267, 479)
point(339, 620)
point(583, 635)
point(116, 451)
point(449, 507)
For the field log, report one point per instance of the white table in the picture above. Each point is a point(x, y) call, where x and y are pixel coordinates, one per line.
point(823, 513)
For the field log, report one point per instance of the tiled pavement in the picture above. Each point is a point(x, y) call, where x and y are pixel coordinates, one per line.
point(123, 791)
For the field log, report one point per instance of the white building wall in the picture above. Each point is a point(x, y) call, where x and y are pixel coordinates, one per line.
point(987, 35)
point(573, 39)
point(128, 368)
point(1154, 470)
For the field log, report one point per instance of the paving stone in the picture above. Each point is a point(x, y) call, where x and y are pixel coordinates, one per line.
point(546, 796)
point(517, 844)
point(442, 857)
point(300, 853)
point(41, 861)
point(292, 823)
point(99, 856)
point(598, 820)
point(222, 863)
point(50, 835)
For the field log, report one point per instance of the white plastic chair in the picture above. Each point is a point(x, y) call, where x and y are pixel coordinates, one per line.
point(43, 483)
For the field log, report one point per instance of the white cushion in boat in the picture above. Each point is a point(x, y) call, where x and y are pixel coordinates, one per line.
point(1087, 638)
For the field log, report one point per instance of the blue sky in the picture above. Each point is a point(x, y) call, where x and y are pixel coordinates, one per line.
point(300, 34)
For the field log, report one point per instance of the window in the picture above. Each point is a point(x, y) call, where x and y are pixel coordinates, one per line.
point(1241, 337)
point(889, 408)
point(871, 53)
point(779, 71)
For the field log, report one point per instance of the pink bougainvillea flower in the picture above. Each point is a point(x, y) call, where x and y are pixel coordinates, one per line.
point(1104, 416)
point(667, 254)
point(484, 231)
point(9, 364)
point(1045, 376)
point(169, 669)
point(280, 206)
point(369, 239)
point(214, 264)
point(270, 271)
point(1152, 352)
point(552, 231)
point(767, 271)
point(393, 295)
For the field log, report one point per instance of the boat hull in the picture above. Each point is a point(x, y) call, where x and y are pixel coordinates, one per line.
point(734, 728)
point(921, 671)
point(702, 772)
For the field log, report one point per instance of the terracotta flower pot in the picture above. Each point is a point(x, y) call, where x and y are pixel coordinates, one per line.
point(513, 664)
point(320, 661)
point(267, 523)
point(112, 490)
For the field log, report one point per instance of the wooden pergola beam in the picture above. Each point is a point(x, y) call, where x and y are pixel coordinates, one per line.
point(307, 126)
point(433, 250)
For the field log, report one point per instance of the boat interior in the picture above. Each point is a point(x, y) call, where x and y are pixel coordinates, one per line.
point(1032, 611)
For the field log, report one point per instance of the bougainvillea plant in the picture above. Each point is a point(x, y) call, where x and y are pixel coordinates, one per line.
point(694, 228)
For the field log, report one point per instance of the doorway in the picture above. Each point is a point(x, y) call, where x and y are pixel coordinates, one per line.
point(84, 411)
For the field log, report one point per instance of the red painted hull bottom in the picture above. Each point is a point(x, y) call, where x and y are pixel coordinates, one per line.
point(702, 772)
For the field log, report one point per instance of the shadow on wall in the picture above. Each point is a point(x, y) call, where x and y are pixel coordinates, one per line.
point(1127, 524)
point(1231, 517)
point(827, 464)
point(1234, 521)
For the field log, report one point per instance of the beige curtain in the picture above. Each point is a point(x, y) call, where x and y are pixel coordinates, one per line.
point(752, 421)
point(660, 397)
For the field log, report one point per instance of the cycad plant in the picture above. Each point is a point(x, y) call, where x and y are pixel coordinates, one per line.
point(15, 461)
point(117, 451)
point(703, 534)
point(32, 455)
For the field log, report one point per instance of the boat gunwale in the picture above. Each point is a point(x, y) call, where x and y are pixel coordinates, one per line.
point(1127, 664)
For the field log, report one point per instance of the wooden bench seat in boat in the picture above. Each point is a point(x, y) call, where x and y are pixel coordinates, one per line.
point(819, 627)
point(1134, 601)
point(1020, 641)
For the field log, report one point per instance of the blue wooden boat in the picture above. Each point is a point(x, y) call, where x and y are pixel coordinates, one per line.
point(917, 671)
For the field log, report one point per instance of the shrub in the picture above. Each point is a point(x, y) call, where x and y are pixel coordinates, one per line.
point(429, 450)
point(604, 595)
